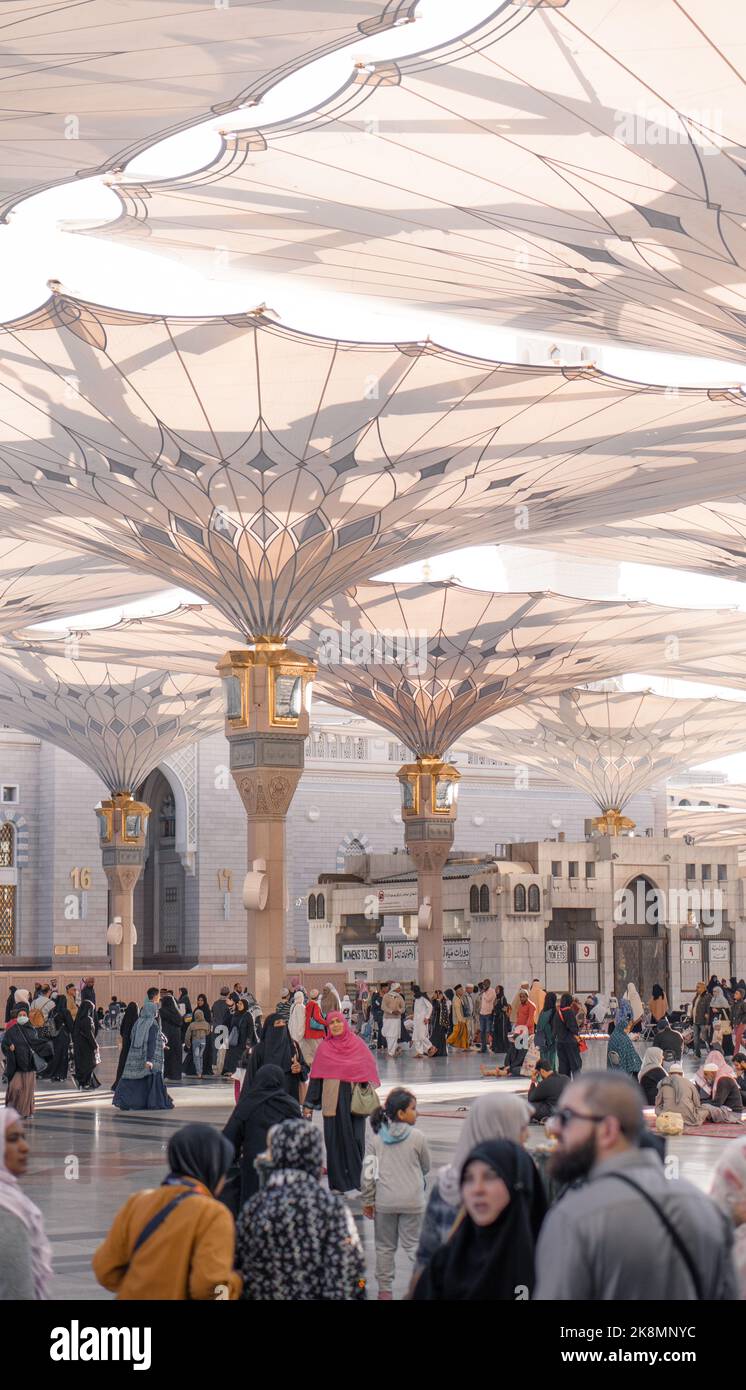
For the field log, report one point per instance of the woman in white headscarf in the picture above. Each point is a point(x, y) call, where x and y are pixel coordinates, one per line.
point(492, 1116)
point(651, 1073)
point(637, 1008)
point(25, 1254)
point(729, 1191)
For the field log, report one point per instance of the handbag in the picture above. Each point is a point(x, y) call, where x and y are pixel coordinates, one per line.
point(40, 1065)
point(364, 1098)
point(669, 1122)
point(233, 1036)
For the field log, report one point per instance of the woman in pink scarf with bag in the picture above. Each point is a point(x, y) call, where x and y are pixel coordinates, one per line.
point(342, 1082)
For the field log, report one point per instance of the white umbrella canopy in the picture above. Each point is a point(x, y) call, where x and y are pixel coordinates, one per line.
point(547, 171)
point(86, 85)
point(266, 470)
point(119, 720)
point(612, 744)
point(712, 827)
point(429, 662)
point(708, 537)
point(43, 583)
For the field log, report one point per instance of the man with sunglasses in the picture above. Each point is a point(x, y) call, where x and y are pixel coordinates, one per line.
point(629, 1231)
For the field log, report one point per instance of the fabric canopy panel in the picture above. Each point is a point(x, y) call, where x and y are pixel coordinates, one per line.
point(41, 583)
point(118, 720)
point(614, 744)
point(714, 827)
point(266, 469)
point(548, 171)
point(83, 83)
point(428, 662)
point(708, 538)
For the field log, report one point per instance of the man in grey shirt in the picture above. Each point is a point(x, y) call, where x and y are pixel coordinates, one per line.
point(630, 1232)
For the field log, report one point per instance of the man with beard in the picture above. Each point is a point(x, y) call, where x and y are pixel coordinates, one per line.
point(630, 1231)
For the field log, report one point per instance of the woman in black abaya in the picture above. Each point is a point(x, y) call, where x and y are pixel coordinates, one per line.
point(440, 1025)
point(85, 1051)
point(500, 1022)
point(208, 1056)
point(263, 1102)
point(243, 1034)
point(171, 1020)
point(490, 1255)
point(125, 1032)
point(277, 1049)
point(61, 1025)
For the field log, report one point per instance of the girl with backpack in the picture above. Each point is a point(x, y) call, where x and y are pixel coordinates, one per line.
point(393, 1186)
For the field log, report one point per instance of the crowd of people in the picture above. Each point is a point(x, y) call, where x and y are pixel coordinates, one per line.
point(580, 1215)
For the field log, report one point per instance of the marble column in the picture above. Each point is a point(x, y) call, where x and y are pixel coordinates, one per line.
point(123, 824)
point(429, 795)
point(267, 724)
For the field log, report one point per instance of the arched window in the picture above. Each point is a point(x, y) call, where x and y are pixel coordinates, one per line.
point(473, 898)
point(534, 898)
point(685, 803)
point(320, 908)
point(7, 846)
point(312, 907)
point(519, 898)
point(484, 898)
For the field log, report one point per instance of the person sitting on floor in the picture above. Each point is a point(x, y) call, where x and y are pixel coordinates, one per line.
point(651, 1073)
point(719, 1091)
point(545, 1090)
point(677, 1094)
point(518, 1042)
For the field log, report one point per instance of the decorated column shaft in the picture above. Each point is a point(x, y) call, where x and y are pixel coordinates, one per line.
point(429, 796)
point(123, 828)
point(267, 692)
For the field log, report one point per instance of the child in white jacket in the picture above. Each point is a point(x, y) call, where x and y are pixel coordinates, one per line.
point(393, 1190)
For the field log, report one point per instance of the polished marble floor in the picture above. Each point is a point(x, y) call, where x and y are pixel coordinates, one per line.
point(87, 1157)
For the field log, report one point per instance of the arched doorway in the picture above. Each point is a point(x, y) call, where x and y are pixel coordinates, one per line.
point(640, 939)
point(159, 896)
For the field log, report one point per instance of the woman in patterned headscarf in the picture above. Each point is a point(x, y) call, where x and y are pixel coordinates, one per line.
point(296, 1241)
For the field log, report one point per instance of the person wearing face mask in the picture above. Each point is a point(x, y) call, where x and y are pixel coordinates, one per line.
point(629, 1216)
point(25, 1253)
point(489, 1255)
point(342, 1061)
point(21, 1044)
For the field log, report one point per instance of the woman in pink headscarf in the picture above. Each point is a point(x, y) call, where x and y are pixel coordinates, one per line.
point(342, 1061)
point(25, 1254)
